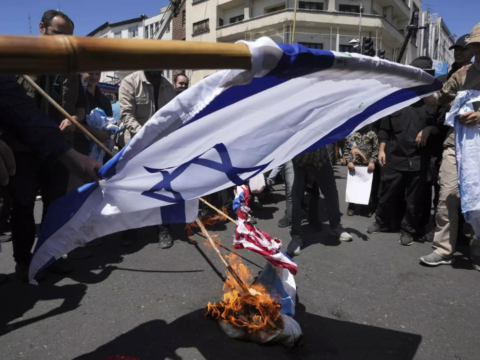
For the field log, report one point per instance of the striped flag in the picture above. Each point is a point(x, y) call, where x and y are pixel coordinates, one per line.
point(223, 131)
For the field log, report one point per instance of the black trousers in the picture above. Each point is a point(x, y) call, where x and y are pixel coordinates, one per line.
point(396, 186)
point(33, 174)
point(5, 207)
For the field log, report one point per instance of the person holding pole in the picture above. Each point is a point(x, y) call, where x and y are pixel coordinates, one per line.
point(142, 94)
point(30, 144)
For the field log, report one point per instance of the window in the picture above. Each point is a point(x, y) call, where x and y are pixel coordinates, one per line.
point(347, 48)
point(201, 27)
point(414, 34)
point(312, 45)
point(220, 22)
point(146, 33)
point(152, 31)
point(237, 19)
point(168, 27)
point(184, 18)
point(307, 5)
point(133, 31)
point(157, 28)
point(117, 34)
point(275, 8)
point(350, 8)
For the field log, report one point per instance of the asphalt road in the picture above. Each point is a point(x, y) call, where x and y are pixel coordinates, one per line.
point(368, 299)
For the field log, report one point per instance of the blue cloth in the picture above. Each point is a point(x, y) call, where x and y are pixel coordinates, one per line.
point(116, 111)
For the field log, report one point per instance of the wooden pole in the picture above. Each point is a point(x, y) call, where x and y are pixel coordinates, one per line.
point(61, 54)
point(66, 114)
point(218, 210)
point(242, 285)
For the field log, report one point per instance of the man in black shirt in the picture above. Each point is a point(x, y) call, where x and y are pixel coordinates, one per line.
point(403, 136)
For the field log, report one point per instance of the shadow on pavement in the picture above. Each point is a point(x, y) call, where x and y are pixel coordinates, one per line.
point(324, 339)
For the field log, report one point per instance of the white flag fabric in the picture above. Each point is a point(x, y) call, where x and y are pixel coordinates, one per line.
point(226, 129)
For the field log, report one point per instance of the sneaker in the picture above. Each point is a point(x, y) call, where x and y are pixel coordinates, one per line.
point(294, 248)
point(38, 198)
point(434, 260)
point(60, 267)
point(257, 204)
point(95, 242)
point(406, 238)
point(429, 237)
point(79, 253)
point(284, 222)
point(3, 278)
point(350, 212)
point(165, 240)
point(340, 234)
point(375, 228)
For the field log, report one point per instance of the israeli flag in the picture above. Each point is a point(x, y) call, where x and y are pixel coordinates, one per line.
point(223, 131)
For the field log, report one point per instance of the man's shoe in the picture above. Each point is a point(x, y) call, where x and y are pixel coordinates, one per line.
point(256, 204)
point(340, 234)
point(4, 238)
point(3, 278)
point(21, 271)
point(95, 242)
point(79, 253)
point(60, 267)
point(350, 212)
point(375, 228)
point(294, 248)
point(430, 236)
point(406, 238)
point(284, 222)
point(434, 260)
point(165, 240)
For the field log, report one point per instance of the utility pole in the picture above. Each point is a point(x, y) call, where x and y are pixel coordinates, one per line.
point(411, 29)
point(30, 23)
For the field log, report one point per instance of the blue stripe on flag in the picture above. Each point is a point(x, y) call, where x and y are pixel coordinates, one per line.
point(397, 97)
point(110, 168)
point(62, 210)
point(298, 60)
point(173, 213)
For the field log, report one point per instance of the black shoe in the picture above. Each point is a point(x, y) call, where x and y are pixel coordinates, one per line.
point(60, 267)
point(21, 271)
point(429, 237)
point(165, 240)
point(3, 278)
point(284, 222)
point(376, 228)
point(406, 239)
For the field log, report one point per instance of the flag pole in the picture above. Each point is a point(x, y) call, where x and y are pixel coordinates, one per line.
point(61, 54)
point(93, 138)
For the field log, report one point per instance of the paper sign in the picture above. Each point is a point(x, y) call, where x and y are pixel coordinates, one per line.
point(359, 185)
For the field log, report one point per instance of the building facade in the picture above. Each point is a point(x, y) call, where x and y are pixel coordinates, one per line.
point(437, 38)
point(320, 24)
point(142, 27)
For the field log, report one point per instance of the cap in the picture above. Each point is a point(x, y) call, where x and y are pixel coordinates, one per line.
point(422, 62)
point(475, 35)
point(461, 42)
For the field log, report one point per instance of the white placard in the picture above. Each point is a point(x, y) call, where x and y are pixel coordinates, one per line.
point(359, 185)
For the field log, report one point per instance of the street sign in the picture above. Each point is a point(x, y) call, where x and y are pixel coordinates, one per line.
point(441, 67)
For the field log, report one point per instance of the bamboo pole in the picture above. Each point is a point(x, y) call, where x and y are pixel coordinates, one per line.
point(218, 210)
point(242, 285)
point(62, 54)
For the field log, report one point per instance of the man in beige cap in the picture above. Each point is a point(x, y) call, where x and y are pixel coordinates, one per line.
point(445, 239)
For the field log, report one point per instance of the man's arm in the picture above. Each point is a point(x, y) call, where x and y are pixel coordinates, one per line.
point(20, 117)
point(128, 106)
point(382, 157)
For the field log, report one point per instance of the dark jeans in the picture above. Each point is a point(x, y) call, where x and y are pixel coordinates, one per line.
point(5, 207)
point(326, 182)
point(32, 174)
point(399, 185)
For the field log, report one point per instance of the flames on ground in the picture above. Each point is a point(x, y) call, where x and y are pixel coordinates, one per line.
point(252, 312)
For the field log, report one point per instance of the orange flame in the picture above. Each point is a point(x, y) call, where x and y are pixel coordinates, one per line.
point(253, 312)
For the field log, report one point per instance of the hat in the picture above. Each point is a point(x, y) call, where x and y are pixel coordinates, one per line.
point(422, 62)
point(475, 35)
point(461, 42)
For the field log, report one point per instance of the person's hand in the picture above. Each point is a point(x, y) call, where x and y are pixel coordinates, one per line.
point(357, 152)
point(382, 158)
point(81, 165)
point(351, 166)
point(470, 118)
point(7, 164)
point(371, 167)
point(423, 136)
point(103, 135)
point(67, 126)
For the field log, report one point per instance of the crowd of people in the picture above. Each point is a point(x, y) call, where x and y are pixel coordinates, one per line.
point(411, 154)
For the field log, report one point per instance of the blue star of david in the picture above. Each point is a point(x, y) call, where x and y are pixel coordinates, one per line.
point(225, 166)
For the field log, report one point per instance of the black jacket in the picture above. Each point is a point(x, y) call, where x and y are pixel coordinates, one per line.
point(400, 129)
point(24, 127)
point(98, 100)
